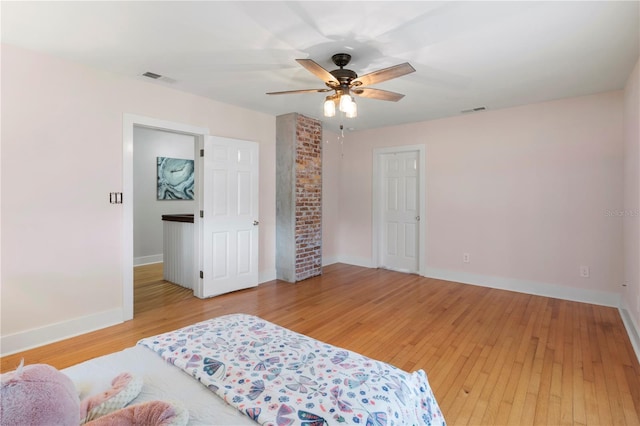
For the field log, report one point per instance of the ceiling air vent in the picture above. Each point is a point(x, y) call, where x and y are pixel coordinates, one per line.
point(152, 75)
point(476, 109)
point(158, 77)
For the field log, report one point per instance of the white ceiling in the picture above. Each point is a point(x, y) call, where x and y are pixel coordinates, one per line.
point(466, 54)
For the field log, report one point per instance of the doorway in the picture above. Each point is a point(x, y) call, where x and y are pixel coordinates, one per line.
point(130, 122)
point(399, 209)
point(151, 146)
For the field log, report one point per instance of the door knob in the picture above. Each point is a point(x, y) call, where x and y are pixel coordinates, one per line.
point(256, 223)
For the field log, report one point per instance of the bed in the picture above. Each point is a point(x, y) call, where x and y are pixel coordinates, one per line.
point(240, 369)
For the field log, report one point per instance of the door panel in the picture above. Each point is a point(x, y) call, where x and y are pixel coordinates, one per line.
point(218, 184)
point(244, 247)
point(411, 194)
point(219, 262)
point(392, 193)
point(244, 193)
point(410, 233)
point(392, 238)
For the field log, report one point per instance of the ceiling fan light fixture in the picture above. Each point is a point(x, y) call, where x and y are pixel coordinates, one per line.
point(329, 107)
point(345, 101)
point(352, 111)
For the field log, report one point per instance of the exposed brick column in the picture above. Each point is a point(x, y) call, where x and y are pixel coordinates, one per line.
point(299, 197)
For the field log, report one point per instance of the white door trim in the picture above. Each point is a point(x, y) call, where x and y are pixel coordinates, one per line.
point(377, 207)
point(128, 123)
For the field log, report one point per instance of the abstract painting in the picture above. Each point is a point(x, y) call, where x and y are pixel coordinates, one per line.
point(175, 179)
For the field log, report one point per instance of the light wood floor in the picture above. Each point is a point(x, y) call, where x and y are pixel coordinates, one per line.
point(493, 357)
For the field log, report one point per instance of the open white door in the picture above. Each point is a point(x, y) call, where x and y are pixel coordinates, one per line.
point(229, 222)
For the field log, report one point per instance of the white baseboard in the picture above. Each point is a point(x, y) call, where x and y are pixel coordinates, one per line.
point(326, 260)
point(271, 274)
point(365, 262)
point(595, 297)
point(35, 337)
point(22, 341)
point(145, 260)
point(633, 329)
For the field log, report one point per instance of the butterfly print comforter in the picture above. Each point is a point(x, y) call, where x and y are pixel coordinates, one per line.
point(279, 377)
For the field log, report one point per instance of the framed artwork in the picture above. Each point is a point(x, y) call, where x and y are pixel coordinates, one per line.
point(175, 178)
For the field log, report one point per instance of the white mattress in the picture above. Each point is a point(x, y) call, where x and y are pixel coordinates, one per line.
point(162, 381)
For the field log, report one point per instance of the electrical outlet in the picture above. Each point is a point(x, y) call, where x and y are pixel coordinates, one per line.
point(465, 258)
point(584, 271)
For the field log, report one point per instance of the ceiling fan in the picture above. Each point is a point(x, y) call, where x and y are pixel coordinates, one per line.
point(344, 82)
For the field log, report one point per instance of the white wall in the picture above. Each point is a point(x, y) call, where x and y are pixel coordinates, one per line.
point(331, 182)
point(524, 190)
point(631, 211)
point(62, 141)
point(148, 144)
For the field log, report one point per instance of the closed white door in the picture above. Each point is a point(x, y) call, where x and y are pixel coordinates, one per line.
point(230, 216)
point(400, 211)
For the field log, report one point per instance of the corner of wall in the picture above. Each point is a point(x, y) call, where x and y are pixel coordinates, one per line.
point(633, 330)
point(266, 276)
point(630, 312)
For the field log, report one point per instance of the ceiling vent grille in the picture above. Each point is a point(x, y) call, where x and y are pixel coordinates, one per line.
point(476, 109)
point(152, 75)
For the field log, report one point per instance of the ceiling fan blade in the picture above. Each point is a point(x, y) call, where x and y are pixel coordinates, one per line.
point(318, 71)
point(290, 92)
point(383, 95)
point(384, 74)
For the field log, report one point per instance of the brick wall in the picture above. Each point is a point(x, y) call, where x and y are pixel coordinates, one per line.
point(308, 204)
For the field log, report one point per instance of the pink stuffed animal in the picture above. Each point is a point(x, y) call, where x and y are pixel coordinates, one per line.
point(41, 395)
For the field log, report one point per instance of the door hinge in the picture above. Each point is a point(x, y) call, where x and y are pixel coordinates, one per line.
point(201, 274)
point(202, 153)
point(201, 213)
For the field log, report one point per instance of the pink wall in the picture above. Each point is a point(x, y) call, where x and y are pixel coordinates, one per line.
point(631, 211)
point(61, 156)
point(524, 190)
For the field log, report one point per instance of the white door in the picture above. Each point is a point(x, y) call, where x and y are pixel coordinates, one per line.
point(230, 216)
point(400, 211)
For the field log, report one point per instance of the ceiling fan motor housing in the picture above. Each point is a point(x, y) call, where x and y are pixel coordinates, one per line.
point(344, 76)
point(341, 59)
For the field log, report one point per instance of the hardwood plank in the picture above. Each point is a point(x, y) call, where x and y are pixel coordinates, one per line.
point(544, 392)
point(579, 414)
point(529, 411)
point(520, 395)
point(470, 391)
point(492, 356)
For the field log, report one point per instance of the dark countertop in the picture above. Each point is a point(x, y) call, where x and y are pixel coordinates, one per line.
point(178, 217)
